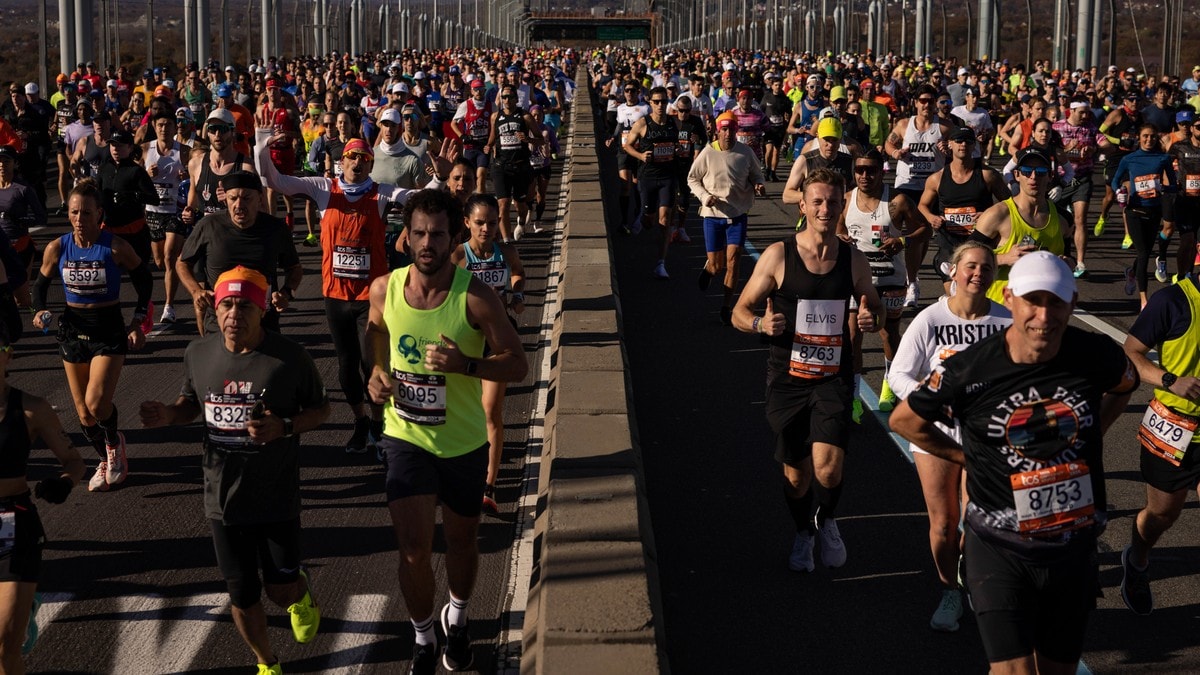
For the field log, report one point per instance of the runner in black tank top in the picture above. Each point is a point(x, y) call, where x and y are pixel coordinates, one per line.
point(842, 163)
point(961, 204)
point(208, 186)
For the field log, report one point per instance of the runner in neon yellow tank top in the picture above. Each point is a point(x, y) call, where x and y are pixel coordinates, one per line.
point(425, 334)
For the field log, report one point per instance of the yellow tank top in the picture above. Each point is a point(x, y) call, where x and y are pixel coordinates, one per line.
point(1181, 355)
point(440, 412)
point(1048, 238)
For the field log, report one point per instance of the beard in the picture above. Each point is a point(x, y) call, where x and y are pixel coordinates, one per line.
point(434, 264)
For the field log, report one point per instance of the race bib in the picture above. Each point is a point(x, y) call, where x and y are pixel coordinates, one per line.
point(920, 167)
point(351, 262)
point(494, 273)
point(1053, 499)
point(775, 120)
point(225, 416)
point(748, 139)
point(1166, 433)
point(893, 302)
point(663, 152)
point(85, 277)
point(624, 137)
point(420, 399)
point(511, 141)
point(1146, 186)
point(960, 220)
point(164, 193)
point(1191, 185)
point(817, 343)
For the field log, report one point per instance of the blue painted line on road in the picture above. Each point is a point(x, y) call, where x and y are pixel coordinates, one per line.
point(871, 400)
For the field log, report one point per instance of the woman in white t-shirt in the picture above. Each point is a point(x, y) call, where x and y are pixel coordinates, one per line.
point(946, 327)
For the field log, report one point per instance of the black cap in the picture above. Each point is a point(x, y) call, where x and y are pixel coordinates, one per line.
point(963, 134)
point(1031, 153)
point(8, 152)
point(122, 137)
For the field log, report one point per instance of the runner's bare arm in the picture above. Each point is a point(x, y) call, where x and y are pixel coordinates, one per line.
point(767, 275)
point(925, 434)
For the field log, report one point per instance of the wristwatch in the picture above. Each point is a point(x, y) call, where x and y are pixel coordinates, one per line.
point(472, 366)
point(287, 427)
point(1168, 379)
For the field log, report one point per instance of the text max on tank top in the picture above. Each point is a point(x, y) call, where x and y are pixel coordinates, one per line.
point(923, 159)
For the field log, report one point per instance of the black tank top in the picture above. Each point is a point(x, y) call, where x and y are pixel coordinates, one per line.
point(1127, 131)
point(818, 348)
point(510, 149)
point(661, 141)
point(963, 202)
point(208, 186)
point(841, 163)
point(14, 437)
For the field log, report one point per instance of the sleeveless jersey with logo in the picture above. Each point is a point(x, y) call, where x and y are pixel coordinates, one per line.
point(476, 123)
point(1048, 238)
point(816, 346)
point(352, 245)
point(868, 231)
point(439, 412)
point(208, 185)
point(167, 179)
point(493, 270)
point(660, 140)
point(510, 149)
point(923, 158)
point(90, 275)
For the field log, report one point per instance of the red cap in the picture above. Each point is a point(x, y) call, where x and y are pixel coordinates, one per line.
point(358, 145)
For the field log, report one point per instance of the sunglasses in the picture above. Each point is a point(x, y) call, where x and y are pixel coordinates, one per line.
point(357, 155)
point(413, 117)
point(1028, 171)
point(218, 129)
point(658, 101)
point(866, 169)
point(925, 100)
point(630, 89)
point(508, 96)
point(946, 103)
point(682, 110)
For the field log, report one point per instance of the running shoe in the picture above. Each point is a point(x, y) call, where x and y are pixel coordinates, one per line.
point(948, 613)
point(856, 411)
point(705, 279)
point(660, 270)
point(458, 654)
point(726, 316)
point(636, 227)
point(31, 631)
point(273, 669)
point(913, 295)
point(1160, 270)
point(357, 444)
point(489, 500)
point(887, 397)
point(168, 314)
point(1126, 243)
point(518, 232)
point(1099, 228)
point(801, 559)
point(537, 226)
point(99, 481)
point(1130, 282)
point(683, 235)
point(311, 240)
point(118, 466)
point(1080, 271)
point(306, 616)
point(1135, 586)
point(833, 549)
point(424, 660)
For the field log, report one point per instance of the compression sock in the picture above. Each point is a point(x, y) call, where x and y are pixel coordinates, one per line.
point(110, 429)
point(827, 501)
point(1164, 240)
point(457, 616)
point(541, 208)
point(424, 631)
point(95, 436)
point(800, 508)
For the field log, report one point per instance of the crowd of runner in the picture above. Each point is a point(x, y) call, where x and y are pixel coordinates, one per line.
point(417, 174)
point(992, 166)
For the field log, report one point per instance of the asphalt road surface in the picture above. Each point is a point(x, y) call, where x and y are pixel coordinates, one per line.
point(130, 582)
point(723, 532)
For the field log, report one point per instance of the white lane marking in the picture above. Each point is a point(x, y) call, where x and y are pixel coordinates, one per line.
point(362, 627)
point(146, 635)
point(516, 595)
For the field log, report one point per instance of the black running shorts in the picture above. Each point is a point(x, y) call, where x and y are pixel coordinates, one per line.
point(801, 415)
point(1165, 476)
point(457, 481)
point(20, 555)
point(242, 550)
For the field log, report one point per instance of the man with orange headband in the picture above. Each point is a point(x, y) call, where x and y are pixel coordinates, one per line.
point(259, 391)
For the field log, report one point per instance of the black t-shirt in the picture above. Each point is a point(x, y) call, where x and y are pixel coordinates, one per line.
point(265, 246)
point(1009, 413)
point(243, 482)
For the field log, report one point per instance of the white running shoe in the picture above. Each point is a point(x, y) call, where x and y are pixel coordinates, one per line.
point(99, 481)
point(913, 295)
point(833, 549)
point(518, 232)
point(801, 559)
point(660, 270)
point(948, 613)
point(168, 314)
point(118, 466)
point(1160, 270)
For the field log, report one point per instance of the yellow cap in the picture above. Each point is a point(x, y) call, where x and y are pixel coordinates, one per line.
point(829, 127)
point(837, 93)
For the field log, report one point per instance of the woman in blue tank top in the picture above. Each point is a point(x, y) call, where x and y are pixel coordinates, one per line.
point(1147, 173)
point(93, 336)
point(499, 266)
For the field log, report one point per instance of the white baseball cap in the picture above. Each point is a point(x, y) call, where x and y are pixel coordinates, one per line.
point(390, 115)
point(1042, 271)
